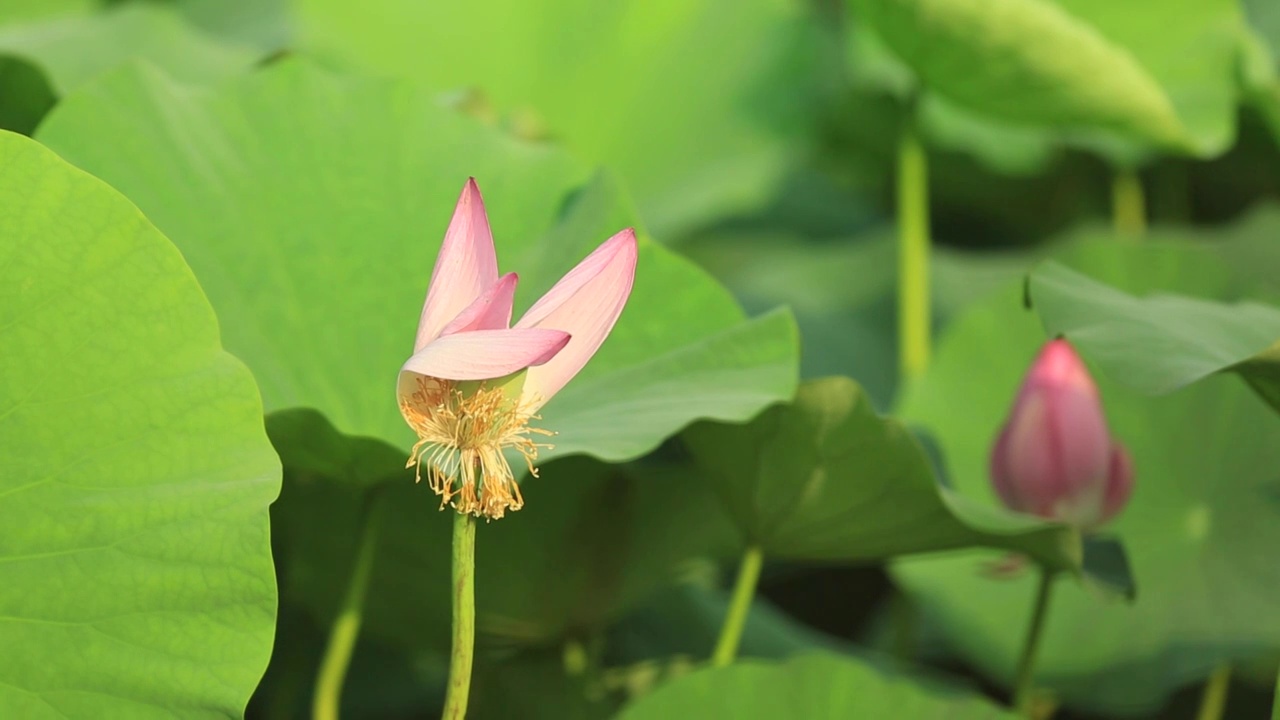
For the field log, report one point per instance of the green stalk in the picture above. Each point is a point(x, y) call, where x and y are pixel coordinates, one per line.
point(1214, 700)
point(1128, 204)
point(1024, 685)
point(464, 617)
point(736, 620)
point(327, 697)
point(913, 255)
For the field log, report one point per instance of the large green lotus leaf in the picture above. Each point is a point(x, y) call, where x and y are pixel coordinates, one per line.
point(73, 49)
point(1235, 262)
point(1006, 148)
point(1080, 66)
point(809, 687)
point(827, 478)
point(135, 569)
point(534, 684)
point(1264, 18)
point(1200, 529)
point(843, 292)
point(312, 205)
point(1259, 75)
point(592, 541)
point(873, 68)
point(264, 24)
point(1249, 247)
point(680, 626)
point(1159, 343)
point(19, 10)
point(693, 102)
point(672, 635)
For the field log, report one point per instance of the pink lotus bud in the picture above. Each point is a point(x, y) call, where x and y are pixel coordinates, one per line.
point(1055, 456)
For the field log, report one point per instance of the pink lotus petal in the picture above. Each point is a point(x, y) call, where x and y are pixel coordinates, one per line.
point(490, 311)
point(1119, 483)
point(466, 266)
point(585, 303)
point(1001, 477)
point(486, 354)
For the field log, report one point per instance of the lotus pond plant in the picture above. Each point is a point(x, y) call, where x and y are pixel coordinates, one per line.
point(1056, 458)
point(474, 382)
point(874, 297)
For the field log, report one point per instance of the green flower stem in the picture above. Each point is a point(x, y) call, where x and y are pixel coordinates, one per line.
point(736, 620)
point(342, 637)
point(464, 617)
point(1024, 683)
point(1128, 204)
point(913, 255)
point(1214, 700)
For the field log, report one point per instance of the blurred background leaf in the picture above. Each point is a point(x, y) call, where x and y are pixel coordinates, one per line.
point(1159, 343)
point(826, 478)
point(698, 104)
point(74, 49)
point(21, 10)
point(812, 686)
point(42, 59)
point(1086, 67)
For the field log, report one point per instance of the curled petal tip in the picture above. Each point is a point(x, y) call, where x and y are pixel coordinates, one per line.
point(466, 266)
point(586, 303)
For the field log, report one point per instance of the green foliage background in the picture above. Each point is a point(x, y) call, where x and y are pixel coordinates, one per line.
point(295, 163)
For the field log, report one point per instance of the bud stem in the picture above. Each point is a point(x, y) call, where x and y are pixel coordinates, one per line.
point(913, 254)
point(734, 622)
point(327, 697)
point(1023, 696)
point(1128, 204)
point(1214, 700)
point(464, 617)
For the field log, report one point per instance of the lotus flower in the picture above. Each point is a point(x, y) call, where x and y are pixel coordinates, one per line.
point(474, 382)
point(1056, 457)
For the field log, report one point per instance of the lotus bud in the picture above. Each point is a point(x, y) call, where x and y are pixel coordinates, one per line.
point(1055, 456)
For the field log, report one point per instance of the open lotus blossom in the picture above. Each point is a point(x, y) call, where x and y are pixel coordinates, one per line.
point(474, 382)
point(1055, 456)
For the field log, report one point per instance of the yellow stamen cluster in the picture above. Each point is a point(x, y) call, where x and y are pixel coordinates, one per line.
point(461, 438)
